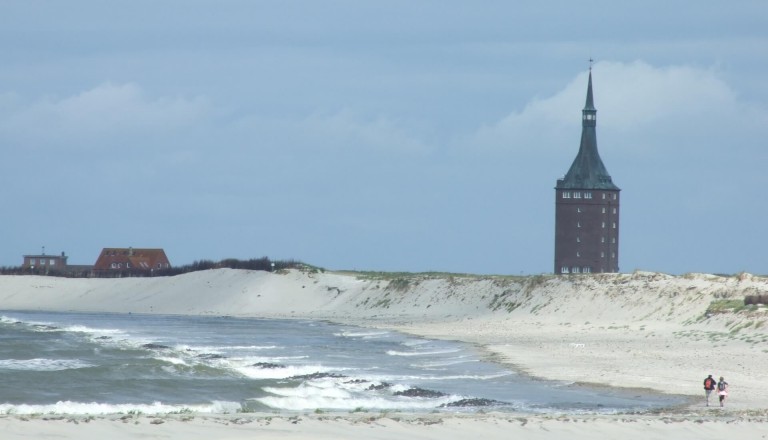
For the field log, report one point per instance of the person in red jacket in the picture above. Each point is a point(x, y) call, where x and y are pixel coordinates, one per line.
point(709, 386)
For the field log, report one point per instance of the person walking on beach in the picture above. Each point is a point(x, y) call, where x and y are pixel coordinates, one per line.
point(722, 390)
point(709, 385)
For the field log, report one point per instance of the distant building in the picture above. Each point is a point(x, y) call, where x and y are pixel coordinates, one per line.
point(45, 263)
point(587, 207)
point(117, 262)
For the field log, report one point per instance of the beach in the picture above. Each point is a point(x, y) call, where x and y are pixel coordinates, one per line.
point(636, 331)
point(379, 427)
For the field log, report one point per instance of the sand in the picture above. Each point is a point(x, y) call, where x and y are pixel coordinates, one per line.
point(640, 330)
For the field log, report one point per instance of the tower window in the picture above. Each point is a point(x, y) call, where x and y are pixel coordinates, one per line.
point(603, 210)
point(587, 195)
point(566, 194)
point(577, 195)
point(564, 269)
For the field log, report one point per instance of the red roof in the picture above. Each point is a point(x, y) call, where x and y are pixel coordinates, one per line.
point(131, 259)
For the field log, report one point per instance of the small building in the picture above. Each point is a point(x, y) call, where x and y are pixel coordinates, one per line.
point(45, 263)
point(118, 262)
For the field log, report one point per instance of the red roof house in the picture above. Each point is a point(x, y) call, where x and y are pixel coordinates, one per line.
point(130, 261)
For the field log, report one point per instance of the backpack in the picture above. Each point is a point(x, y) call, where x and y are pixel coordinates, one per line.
point(721, 386)
point(709, 383)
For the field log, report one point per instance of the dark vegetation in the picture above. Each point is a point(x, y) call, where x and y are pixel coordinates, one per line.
point(263, 263)
point(750, 303)
point(756, 299)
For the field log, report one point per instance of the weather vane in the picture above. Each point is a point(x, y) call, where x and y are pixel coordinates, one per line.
point(590, 63)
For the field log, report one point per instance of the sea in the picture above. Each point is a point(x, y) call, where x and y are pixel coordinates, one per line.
point(111, 363)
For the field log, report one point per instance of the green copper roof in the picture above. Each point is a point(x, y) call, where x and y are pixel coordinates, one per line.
point(590, 104)
point(587, 170)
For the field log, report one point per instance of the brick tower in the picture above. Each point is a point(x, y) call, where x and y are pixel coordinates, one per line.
point(587, 207)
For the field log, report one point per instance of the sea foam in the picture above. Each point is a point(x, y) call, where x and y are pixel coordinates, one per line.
point(68, 407)
point(43, 364)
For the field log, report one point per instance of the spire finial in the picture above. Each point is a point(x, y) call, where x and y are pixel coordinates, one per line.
point(590, 63)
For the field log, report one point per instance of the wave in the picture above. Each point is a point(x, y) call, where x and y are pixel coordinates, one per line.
point(33, 325)
point(342, 394)
point(370, 334)
point(415, 342)
point(281, 372)
point(44, 326)
point(446, 362)
point(94, 408)
point(8, 320)
point(471, 376)
point(422, 353)
point(223, 348)
point(172, 360)
point(40, 364)
point(93, 331)
point(334, 403)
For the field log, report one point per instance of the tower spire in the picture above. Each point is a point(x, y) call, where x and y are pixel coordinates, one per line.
point(590, 104)
point(587, 170)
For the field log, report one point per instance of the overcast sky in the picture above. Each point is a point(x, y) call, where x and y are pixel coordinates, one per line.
point(381, 135)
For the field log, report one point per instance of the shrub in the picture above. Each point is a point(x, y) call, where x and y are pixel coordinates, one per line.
point(756, 299)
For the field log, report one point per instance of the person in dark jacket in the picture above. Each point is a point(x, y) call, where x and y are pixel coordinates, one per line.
point(709, 385)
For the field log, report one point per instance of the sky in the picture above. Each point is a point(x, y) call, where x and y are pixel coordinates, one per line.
point(381, 135)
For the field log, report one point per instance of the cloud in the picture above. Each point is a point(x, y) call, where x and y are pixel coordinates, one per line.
point(104, 113)
point(636, 102)
point(341, 132)
point(380, 133)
